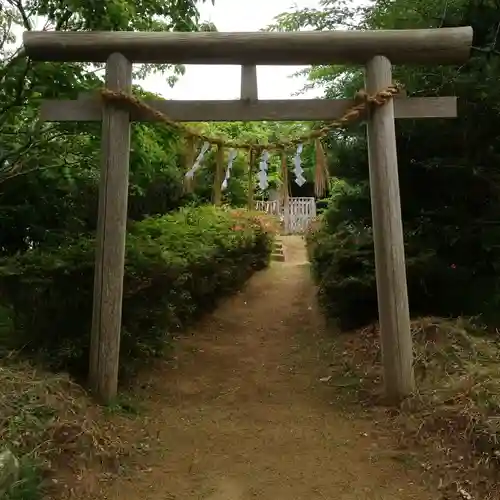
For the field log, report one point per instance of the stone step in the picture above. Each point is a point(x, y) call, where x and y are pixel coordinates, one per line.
point(278, 254)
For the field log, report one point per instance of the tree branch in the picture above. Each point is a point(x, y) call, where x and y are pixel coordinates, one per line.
point(19, 95)
point(20, 54)
point(34, 169)
point(486, 50)
point(17, 4)
point(14, 156)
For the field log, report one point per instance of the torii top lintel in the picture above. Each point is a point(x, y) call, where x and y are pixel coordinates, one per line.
point(412, 46)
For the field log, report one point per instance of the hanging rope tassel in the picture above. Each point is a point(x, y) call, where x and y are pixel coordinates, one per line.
point(252, 155)
point(219, 172)
point(284, 194)
point(321, 176)
point(189, 155)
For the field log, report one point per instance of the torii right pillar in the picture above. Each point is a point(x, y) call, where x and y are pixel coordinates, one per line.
point(392, 292)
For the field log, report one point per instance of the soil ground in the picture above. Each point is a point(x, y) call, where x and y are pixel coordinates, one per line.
point(242, 413)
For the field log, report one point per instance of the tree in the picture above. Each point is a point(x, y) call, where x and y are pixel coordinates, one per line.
point(448, 175)
point(49, 172)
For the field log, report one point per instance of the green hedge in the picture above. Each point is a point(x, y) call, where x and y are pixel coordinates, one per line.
point(177, 267)
point(343, 267)
point(343, 264)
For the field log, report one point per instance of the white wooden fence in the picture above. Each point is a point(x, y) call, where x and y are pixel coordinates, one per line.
point(296, 215)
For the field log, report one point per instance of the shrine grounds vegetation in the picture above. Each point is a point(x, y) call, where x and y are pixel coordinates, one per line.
point(53, 426)
point(448, 175)
point(449, 428)
point(178, 266)
point(450, 197)
point(182, 256)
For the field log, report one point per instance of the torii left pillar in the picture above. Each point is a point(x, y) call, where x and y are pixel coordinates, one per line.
point(111, 234)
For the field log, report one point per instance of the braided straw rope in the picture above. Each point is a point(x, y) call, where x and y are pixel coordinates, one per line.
point(351, 114)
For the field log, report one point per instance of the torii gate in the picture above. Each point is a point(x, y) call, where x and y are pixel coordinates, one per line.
point(374, 49)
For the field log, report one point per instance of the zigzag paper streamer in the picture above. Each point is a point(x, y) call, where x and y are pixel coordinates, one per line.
point(232, 156)
point(298, 170)
point(263, 171)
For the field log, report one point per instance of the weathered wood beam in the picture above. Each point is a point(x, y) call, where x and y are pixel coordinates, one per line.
point(392, 293)
point(436, 46)
point(249, 88)
point(111, 231)
point(90, 109)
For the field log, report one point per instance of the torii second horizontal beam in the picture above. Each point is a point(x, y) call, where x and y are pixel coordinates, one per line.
point(418, 46)
point(89, 108)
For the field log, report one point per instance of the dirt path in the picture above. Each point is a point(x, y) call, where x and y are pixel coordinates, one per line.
point(243, 414)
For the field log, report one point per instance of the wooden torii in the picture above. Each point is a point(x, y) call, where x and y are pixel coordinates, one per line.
point(376, 50)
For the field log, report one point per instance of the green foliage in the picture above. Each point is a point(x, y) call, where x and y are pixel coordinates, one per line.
point(448, 171)
point(343, 267)
point(177, 267)
point(262, 133)
point(49, 171)
point(29, 485)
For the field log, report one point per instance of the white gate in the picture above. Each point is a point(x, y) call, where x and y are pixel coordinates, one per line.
point(296, 215)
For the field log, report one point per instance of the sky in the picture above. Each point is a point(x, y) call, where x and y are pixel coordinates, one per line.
point(202, 82)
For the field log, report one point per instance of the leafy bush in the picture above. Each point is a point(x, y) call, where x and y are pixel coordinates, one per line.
point(343, 263)
point(177, 267)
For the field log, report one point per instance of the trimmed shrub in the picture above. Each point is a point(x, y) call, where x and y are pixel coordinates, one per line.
point(343, 267)
point(177, 267)
point(343, 264)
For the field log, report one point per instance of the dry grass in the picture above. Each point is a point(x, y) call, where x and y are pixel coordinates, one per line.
point(52, 425)
point(455, 414)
